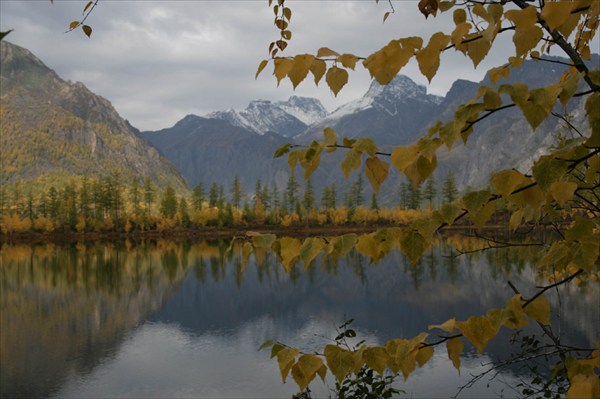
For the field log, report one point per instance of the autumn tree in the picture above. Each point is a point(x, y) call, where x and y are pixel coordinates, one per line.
point(564, 181)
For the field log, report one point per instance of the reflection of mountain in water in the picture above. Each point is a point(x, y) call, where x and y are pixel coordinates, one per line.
point(64, 310)
point(67, 310)
point(391, 299)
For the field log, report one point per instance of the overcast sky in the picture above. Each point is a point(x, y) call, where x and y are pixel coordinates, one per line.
point(157, 61)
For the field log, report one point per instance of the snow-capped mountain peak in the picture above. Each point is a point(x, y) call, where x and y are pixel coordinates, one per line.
point(286, 118)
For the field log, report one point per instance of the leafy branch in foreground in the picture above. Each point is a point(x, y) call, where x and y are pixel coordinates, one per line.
point(560, 189)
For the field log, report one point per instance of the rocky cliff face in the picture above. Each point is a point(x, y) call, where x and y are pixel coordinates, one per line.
point(52, 128)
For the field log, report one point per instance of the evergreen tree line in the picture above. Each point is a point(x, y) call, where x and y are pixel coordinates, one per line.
point(107, 204)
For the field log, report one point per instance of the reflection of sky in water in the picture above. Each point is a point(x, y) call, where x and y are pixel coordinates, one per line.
point(162, 361)
point(190, 326)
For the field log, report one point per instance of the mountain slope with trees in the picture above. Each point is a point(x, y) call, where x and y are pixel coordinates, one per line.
point(54, 130)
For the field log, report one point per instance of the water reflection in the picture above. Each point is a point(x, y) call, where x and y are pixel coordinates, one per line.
point(164, 319)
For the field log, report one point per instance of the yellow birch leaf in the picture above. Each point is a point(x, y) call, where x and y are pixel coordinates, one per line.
point(477, 49)
point(376, 171)
point(368, 246)
point(351, 162)
point(484, 214)
point(479, 330)
point(261, 66)
point(540, 104)
point(547, 170)
point(310, 249)
point(285, 359)
point(326, 52)
point(413, 245)
point(305, 370)
point(429, 57)
point(293, 159)
point(73, 25)
point(340, 361)
point(515, 219)
point(556, 13)
point(402, 356)
point(322, 372)
point(562, 191)
point(348, 60)
point(290, 250)
point(336, 78)
point(455, 348)
point(318, 69)
point(419, 171)
point(376, 358)
point(527, 35)
point(300, 68)
point(505, 182)
point(367, 145)
point(384, 65)
point(514, 315)
point(330, 136)
point(491, 99)
point(584, 387)
point(496, 74)
point(246, 251)
point(569, 83)
point(475, 200)
point(448, 325)
point(282, 67)
point(424, 355)
point(402, 157)
point(460, 16)
point(539, 310)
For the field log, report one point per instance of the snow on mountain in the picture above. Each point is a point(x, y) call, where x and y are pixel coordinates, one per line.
point(286, 118)
point(308, 110)
point(386, 98)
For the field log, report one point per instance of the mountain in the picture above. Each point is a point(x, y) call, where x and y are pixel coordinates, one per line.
point(214, 150)
point(53, 130)
point(390, 114)
point(286, 118)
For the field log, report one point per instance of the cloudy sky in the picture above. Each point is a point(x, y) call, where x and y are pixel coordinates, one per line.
point(157, 61)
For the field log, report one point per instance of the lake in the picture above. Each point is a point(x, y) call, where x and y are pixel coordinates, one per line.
point(184, 320)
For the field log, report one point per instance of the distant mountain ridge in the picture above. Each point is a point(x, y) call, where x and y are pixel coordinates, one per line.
point(53, 130)
point(52, 127)
point(395, 114)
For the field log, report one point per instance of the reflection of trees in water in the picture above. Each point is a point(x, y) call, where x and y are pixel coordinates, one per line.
point(63, 309)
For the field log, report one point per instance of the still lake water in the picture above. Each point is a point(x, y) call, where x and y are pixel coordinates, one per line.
point(183, 320)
